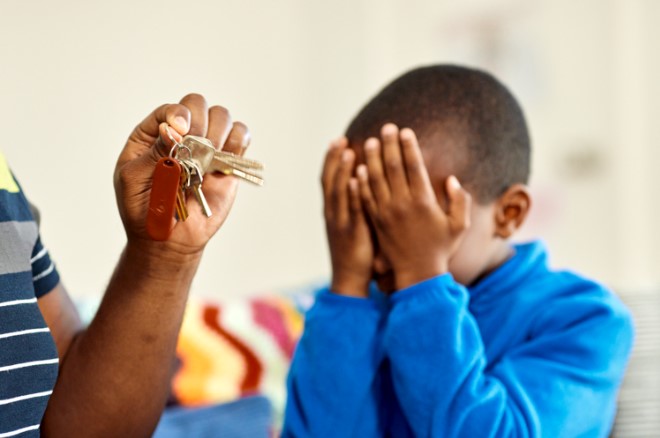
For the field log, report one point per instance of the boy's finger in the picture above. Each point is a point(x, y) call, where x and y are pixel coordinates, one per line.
point(340, 187)
point(459, 205)
point(418, 176)
point(366, 196)
point(332, 160)
point(377, 180)
point(354, 199)
point(393, 161)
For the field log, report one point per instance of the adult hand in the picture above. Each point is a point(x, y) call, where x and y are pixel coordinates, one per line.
point(416, 236)
point(351, 249)
point(150, 141)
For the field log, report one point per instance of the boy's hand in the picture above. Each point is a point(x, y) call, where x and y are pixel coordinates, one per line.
point(349, 239)
point(148, 143)
point(414, 233)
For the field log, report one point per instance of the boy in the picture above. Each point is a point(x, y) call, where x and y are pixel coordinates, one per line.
point(465, 334)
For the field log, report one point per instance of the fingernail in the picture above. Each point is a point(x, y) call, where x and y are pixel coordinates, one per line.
point(346, 156)
point(371, 143)
point(389, 129)
point(453, 182)
point(406, 134)
point(181, 124)
point(362, 171)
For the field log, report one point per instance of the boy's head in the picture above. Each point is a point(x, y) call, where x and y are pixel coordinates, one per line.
point(468, 125)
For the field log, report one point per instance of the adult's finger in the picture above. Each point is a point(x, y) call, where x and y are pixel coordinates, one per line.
point(238, 139)
point(145, 140)
point(219, 126)
point(175, 115)
point(199, 113)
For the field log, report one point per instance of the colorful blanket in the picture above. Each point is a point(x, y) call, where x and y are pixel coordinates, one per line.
point(238, 348)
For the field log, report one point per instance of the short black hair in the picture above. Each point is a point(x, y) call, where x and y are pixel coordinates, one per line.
point(467, 102)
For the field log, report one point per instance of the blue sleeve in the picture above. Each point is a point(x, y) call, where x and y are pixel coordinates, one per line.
point(562, 382)
point(333, 387)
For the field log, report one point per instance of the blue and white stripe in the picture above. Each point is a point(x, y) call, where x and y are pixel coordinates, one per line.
point(28, 357)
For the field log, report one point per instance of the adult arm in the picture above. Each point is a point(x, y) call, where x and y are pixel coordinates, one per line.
point(114, 376)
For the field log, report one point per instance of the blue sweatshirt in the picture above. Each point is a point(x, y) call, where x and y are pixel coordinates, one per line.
point(526, 352)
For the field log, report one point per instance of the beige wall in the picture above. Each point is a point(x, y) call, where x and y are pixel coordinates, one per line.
point(77, 75)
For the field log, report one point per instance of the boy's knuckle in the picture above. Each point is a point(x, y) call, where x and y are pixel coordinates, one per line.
point(392, 164)
point(328, 214)
point(422, 204)
point(390, 215)
point(414, 167)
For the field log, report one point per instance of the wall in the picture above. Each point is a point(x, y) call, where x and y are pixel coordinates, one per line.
point(77, 76)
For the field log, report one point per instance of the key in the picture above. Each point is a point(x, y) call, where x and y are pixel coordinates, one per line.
point(162, 198)
point(211, 160)
point(181, 208)
point(196, 180)
point(227, 169)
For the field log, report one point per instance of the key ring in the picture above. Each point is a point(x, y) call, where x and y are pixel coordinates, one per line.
point(177, 147)
point(186, 169)
point(175, 144)
point(198, 171)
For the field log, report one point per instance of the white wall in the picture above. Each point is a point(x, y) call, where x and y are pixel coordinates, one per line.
point(77, 76)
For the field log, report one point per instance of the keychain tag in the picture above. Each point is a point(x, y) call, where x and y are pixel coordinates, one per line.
point(162, 200)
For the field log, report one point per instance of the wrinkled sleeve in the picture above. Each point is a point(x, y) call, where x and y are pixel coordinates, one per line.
point(333, 383)
point(562, 382)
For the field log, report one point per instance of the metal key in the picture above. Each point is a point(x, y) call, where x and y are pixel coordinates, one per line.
point(211, 160)
point(191, 178)
point(181, 209)
point(227, 169)
point(196, 180)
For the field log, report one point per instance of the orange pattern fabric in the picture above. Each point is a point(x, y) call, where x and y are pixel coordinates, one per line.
point(236, 348)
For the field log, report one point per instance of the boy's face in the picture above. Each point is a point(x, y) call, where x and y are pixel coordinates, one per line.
point(478, 251)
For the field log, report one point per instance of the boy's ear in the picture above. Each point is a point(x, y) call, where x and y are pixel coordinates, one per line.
point(511, 210)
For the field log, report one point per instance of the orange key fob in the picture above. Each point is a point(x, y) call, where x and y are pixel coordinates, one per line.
point(162, 200)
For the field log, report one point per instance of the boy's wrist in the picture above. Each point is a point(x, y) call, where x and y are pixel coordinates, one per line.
point(350, 285)
point(406, 277)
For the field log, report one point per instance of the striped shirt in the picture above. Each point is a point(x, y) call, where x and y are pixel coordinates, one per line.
point(28, 356)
